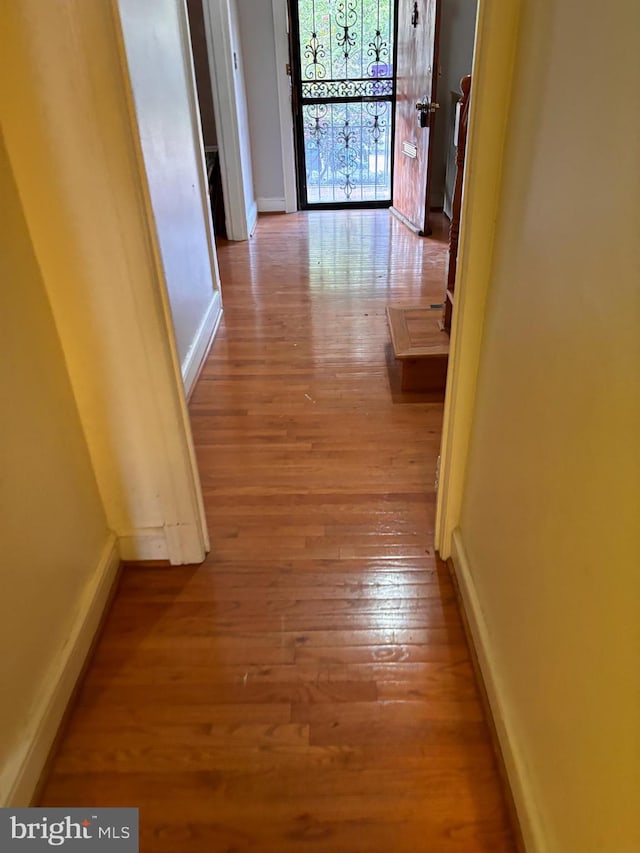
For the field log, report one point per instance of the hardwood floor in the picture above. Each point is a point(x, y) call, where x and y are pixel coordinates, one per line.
point(308, 688)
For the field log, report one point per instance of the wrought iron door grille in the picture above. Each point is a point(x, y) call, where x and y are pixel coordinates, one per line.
point(345, 87)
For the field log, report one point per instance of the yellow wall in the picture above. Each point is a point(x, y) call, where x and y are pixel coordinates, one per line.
point(52, 525)
point(550, 519)
point(71, 140)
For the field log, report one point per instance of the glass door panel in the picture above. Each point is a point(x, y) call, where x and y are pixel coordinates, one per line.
point(344, 94)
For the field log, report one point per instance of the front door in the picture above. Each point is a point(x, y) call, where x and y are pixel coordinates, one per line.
point(415, 113)
point(344, 89)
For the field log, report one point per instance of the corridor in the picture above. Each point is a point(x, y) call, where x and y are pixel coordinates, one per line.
point(308, 688)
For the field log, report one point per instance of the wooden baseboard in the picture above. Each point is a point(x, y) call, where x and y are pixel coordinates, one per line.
point(24, 772)
point(525, 817)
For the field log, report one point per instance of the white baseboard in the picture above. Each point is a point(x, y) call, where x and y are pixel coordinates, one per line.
point(184, 545)
point(404, 220)
point(21, 774)
point(271, 205)
point(148, 543)
point(515, 766)
point(252, 218)
point(201, 343)
point(178, 544)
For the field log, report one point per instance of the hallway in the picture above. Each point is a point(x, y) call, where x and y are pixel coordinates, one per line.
point(309, 686)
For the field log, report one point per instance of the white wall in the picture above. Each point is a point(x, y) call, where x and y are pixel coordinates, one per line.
point(457, 29)
point(53, 527)
point(258, 50)
point(232, 119)
point(549, 539)
point(64, 92)
point(158, 55)
point(244, 127)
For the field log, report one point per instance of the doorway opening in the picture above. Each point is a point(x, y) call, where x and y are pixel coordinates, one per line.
point(344, 88)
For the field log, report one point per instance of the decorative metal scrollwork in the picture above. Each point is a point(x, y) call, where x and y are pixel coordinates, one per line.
point(378, 50)
point(317, 125)
point(346, 90)
point(378, 124)
point(346, 17)
point(347, 157)
point(314, 53)
point(365, 88)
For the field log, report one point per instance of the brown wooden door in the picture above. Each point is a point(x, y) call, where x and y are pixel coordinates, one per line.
point(417, 81)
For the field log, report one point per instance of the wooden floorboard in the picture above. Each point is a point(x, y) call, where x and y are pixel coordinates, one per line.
point(308, 688)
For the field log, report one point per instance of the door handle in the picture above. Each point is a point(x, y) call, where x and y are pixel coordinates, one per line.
point(426, 110)
point(427, 106)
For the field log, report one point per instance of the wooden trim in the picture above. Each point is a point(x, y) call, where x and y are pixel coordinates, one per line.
point(525, 818)
point(494, 57)
point(144, 544)
point(427, 230)
point(198, 143)
point(217, 25)
point(285, 110)
point(454, 226)
point(181, 496)
point(201, 344)
point(192, 366)
point(24, 774)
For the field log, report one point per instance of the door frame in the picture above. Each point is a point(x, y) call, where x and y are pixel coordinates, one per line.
point(494, 55)
point(297, 124)
point(240, 219)
point(280, 10)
